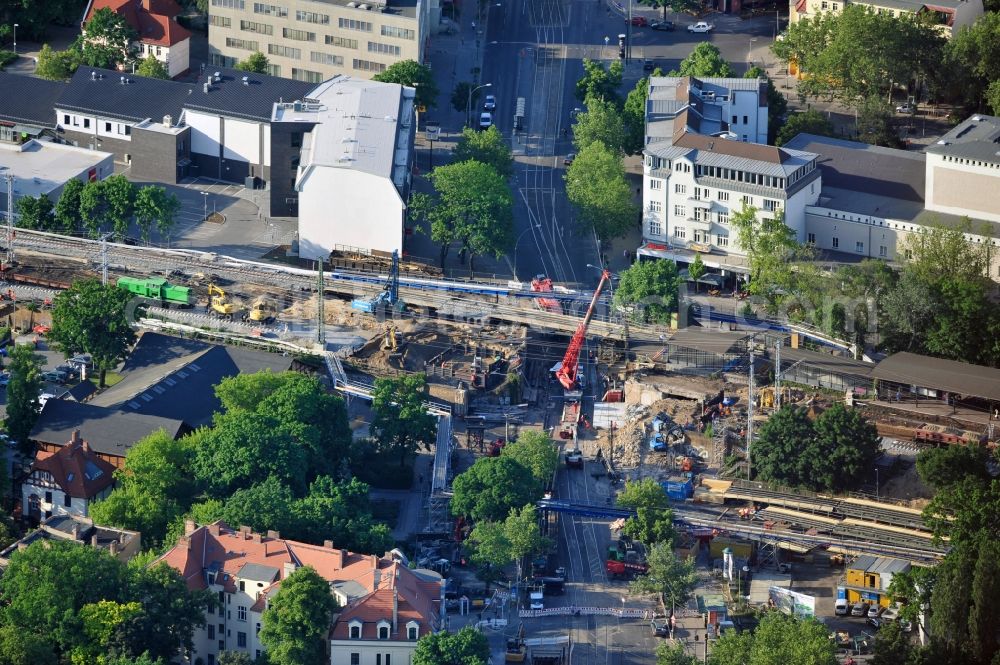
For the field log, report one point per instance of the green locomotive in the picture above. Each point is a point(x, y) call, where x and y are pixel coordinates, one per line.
point(157, 288)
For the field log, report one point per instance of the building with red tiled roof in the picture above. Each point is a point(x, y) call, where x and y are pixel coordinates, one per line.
point(155, 23)
point(385, 606)
point(66, 482)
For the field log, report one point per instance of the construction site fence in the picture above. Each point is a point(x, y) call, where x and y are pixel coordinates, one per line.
point(587, 611)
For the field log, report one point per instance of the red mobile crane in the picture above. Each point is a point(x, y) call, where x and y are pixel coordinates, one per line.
point(567, 373)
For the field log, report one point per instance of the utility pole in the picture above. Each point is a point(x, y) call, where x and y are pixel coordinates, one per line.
point(104, 259)
point(320, 316)
point(777, 375)
point(9, 177)
point(749, 415)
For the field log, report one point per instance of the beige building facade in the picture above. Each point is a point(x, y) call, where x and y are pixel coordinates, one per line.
point(315, 40)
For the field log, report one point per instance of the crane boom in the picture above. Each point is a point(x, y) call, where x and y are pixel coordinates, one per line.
point(567, 373)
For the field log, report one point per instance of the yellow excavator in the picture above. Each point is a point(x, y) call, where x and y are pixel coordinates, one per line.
point(261, 311)
point(218, 302)
point(390, 342)
point(516, 650)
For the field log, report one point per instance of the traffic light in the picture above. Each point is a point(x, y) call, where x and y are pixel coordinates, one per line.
point(621, 47)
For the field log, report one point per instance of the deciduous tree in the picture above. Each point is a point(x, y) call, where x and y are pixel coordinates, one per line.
point(601, 122)
point(535, 451)
point(255, 63)
point(152, 68)
point(600, 193)
point(650, 287)
point(973, 60)
point(21, 647)
point(93, 318)
point(671, 577)
point(677, 6)
point(56, 65)
point(22, 393)
point(770, 246)
point(400, 422)
point(516, 537)
point(491, 487)
point(107, 40)
point(487, 147)
point(67, 213)
point(34, 212)
point(942, 467)
point(806, 122)
point(155, 206)
point(673, 654)
point(778, 639)
point(704, 61)
point(119, 193)
point(411, 73)
point(475, 208)
point(466, 647)
point(634, 115)
point(297, 620)
point(599, 82)
point(654, 520)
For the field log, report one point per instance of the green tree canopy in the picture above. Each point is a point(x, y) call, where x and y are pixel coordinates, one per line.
point(67, 213)
point(474, 208)
point(119, 192)
point(400, 422)
point(154, 206)
point(654, 520)
point(599, 82)
point(297, 621)
point(671, 577)
point(704, 61)
point(972, 59)
point(57, 65)
point(677, 6)
point(601, 122)
point(34, 212)
point(466, 647)
point(107, 40)
point(634, 116)
point(152, 68)
point(837, 451)
point(93, 207)
point(778, 640)
point(943, 467)
point(771, 247)
point(22, 393)
point(673, 654)
point(807, 122)
point(651, 288)
point(411, 73)
point(499, 543)
point(488, 147)
point(491, 487)
point(19, 647)
point(460, 96)
point(255, 63)
point(536, 452)
point(93, 318)
point(599, 191)
point(245, 446)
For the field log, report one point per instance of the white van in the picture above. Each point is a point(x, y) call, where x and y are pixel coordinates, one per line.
point(536, 600)
point(841, 608)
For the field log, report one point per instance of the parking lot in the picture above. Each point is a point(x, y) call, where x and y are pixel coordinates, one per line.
point(50, 359)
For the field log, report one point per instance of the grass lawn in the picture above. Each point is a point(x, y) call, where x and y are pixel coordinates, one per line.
point(110, 379)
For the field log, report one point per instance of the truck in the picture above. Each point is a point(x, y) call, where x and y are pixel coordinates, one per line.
point(574, 459)
point(537, 599)
point(625, 568)
point(570, 419)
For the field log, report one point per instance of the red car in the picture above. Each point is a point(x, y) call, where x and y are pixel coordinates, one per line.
point(41, 329)
point(639, 21)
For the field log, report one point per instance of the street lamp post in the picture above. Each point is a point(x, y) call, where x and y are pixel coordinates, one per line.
point(750, 51)
point(205, 207)
point(468, 105)
point(15, 38)
point(518, 242)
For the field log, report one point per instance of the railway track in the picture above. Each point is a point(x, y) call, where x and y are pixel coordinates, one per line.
point(467, 299)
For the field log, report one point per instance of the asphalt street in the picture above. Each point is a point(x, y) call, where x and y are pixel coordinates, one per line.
point(534, 51)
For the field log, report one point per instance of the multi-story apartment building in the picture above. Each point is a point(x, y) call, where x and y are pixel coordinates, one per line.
point(314, 40)
point(384, 606)
point(736, 107)
point(949, 15)
point(695, 178)
point(119, 543)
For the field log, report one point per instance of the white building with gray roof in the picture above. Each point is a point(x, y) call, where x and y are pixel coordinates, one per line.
point(353, 177)
point(697, 172)
point(963, 170)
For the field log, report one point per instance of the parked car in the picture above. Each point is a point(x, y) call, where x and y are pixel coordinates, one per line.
point(639, 21)
point(67, 369)
point(52, 376)
point(84, 359)
point(667, 26)
point(659, 627)
point(874, 622)
point(491, 103)
point(648, 65)
point(700, 26)
point(569, 158)
point(41, 329)
point(841, 607)
point(874, 611)
point(859, 610)
point(485, 121)
point(45, 397)
point(906, 108)
point(575, 112)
